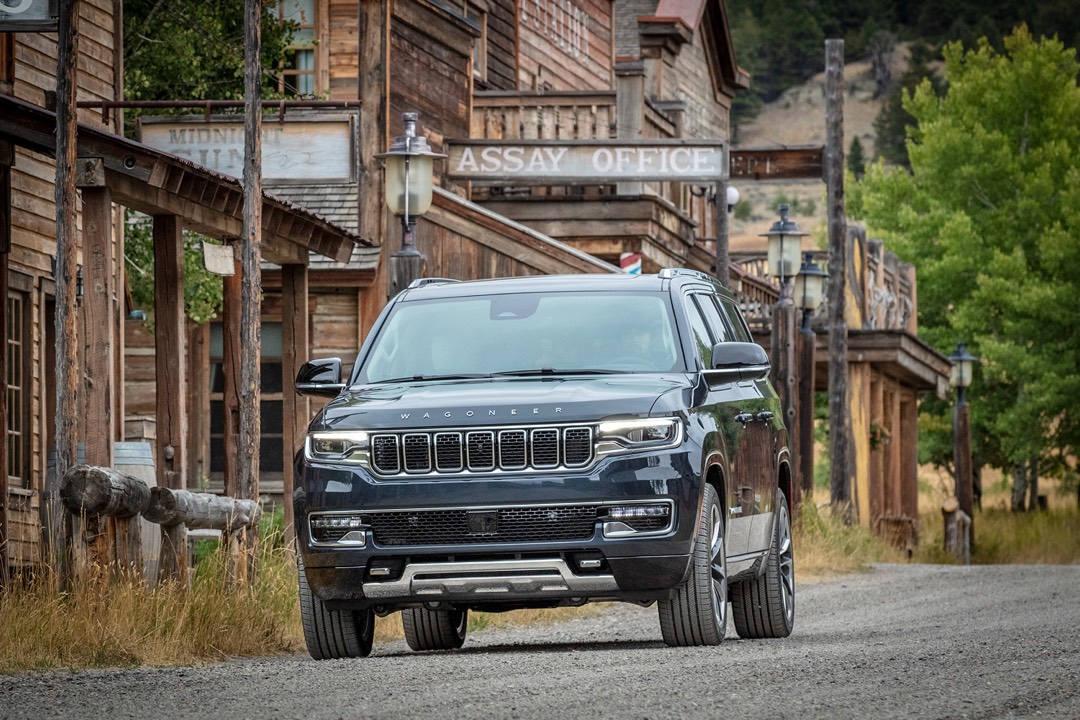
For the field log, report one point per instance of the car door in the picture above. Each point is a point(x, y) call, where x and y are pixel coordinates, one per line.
point(763, 438)
point(721, 403)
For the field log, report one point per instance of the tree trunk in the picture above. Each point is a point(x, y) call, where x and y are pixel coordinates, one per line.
point(1019, 490)
point(1033, 484)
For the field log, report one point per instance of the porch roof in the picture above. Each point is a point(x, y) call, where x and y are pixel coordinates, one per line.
point(157, 183)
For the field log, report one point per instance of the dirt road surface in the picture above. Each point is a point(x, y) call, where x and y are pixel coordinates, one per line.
point(900, 641)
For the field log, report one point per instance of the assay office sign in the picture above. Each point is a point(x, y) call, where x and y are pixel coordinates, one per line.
point(28, 15)
point(546, 162)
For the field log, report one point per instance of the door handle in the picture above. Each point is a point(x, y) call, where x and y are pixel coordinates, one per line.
point(744, 418)
point(764, 416)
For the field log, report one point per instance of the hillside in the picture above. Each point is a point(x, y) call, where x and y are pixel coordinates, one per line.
point(798, 118)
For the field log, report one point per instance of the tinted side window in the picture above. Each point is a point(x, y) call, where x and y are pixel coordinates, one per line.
point(736, 321)
point(702, 339)
point(719, 327)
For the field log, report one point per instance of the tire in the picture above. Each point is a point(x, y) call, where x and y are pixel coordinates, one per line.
point(333, 634)
point(764, 607)
point(434, 629)
point(697, 614)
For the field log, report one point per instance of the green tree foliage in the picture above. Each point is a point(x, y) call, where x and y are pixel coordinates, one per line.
point(856, 158)
point(194, 49)
point(892, 122)
point(202, 290)
point(988, 215)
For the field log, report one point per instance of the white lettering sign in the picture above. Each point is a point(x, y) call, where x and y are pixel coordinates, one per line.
point(541, 162)
point(299, 150)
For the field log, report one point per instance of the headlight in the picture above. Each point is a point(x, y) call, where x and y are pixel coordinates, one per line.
point(344, 446)
point(629, 435)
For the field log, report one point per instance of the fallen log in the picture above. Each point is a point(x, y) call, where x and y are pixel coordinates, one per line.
point(94, 491)
point(200, 510)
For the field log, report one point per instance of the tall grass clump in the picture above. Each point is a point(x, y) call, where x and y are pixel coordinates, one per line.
point(126, 623)
point(825, 546)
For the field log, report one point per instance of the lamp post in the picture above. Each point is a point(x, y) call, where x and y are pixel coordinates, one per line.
point(809, 292)
point(784, 250)
point(409, 179)
point(963, 364)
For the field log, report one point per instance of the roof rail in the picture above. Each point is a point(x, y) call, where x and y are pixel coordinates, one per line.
point(421, 282)
point(668, 273)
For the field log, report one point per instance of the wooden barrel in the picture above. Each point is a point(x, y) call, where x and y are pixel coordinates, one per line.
point(137, 459)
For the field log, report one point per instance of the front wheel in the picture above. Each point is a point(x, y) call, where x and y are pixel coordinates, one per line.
point(697, 614)
point(764, 607)
point(434, 629)
point(333, 634)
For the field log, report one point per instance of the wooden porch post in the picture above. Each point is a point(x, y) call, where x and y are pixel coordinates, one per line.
point(840, 443)
point(251, 282)
point(99, 363)
point(67, 367)
point(171, 378)
point(294, 353)
point(374, 41)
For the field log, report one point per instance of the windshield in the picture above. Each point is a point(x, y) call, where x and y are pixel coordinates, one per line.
point(525, 334)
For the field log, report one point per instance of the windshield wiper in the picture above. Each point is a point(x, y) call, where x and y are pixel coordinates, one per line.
point(425, 378)
point(554, 371)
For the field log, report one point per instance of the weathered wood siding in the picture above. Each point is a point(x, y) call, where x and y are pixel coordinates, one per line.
point(502, 30)
point(342, 53)
point(431, 78)
point(565, 44)
point(33, 230)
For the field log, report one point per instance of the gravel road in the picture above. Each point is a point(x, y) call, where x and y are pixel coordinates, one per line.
point(899, 641)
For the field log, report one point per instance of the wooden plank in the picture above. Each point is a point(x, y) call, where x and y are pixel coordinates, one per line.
point(374, 138)
point(294, 353)
point(785, 163)
point(171, 381)
point(98, 348)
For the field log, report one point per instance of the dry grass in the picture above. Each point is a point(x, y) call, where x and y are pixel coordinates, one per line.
point(128, 624)
point(826, 547)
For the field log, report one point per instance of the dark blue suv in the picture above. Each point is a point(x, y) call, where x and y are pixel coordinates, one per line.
point(545, 441)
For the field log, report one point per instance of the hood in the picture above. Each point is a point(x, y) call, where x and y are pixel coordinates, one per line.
point(498, 401)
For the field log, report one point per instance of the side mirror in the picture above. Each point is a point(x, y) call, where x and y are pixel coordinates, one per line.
point(320, 377)
point(740, 360)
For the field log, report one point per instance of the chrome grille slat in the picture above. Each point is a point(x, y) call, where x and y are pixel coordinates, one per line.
point(462, 450)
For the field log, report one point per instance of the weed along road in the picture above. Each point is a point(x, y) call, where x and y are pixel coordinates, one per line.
point(899, 641)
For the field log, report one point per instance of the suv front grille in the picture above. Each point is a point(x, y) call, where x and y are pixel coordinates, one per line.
point(453, 527)
point(482, 450)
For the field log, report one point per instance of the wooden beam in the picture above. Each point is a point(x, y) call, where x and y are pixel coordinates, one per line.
point(784, 163)
point(840, 439)
point(67, 369)
point(374, 71)
point(230, 362)
point(98, 348)
point(250, 288)
point(171, 378)
point(294, 353)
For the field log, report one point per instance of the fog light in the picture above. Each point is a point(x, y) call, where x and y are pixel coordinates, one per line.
point(635, 520)
point(639, 511)
point(339, 528)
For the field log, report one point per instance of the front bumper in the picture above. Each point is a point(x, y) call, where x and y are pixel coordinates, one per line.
point(490, 570)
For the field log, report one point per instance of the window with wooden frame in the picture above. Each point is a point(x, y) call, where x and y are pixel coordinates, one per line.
point(18, 396)
point(299, 74)
point(271, 407)
point(476, 14)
